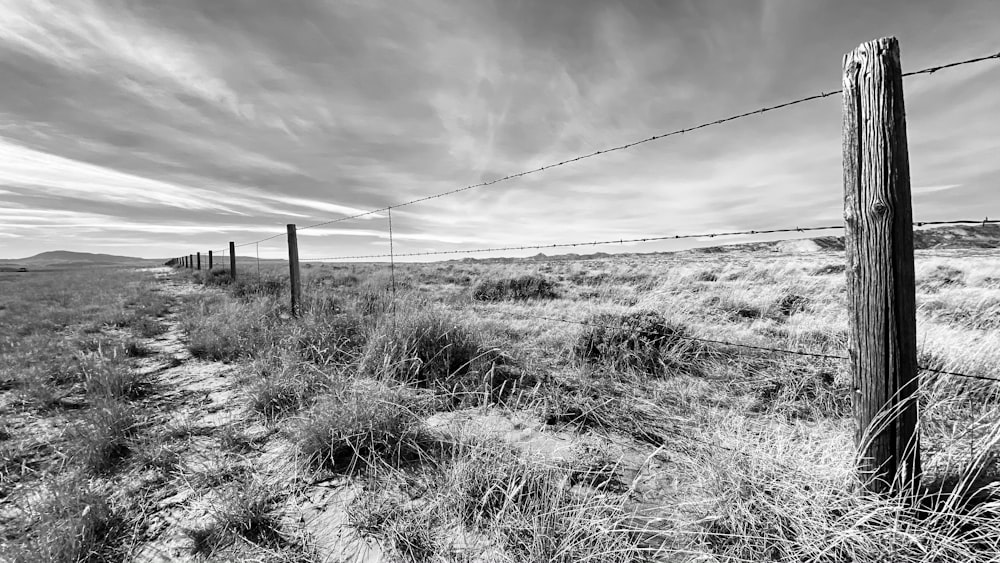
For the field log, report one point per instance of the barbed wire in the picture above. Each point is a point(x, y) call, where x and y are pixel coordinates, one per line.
point(623, 241)
point(759, 111)
point(744, 345)
point(589, 243)
point(983, 222)
point(959, 374)
point(933, 69)
point(685, 337)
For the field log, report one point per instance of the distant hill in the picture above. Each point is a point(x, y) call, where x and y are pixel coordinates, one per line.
point(947, 237)
point(74, 259)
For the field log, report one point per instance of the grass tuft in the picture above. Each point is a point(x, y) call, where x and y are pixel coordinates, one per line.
point(363, 427)
point(530, 286)
point(103, 437)
point(639, 342)
point(432, 348)
point(76, 525)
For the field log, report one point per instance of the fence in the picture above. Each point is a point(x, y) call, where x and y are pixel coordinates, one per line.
point(878, 227)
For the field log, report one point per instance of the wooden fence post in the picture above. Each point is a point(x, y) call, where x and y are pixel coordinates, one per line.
point(198, 261)
point(880, 280)
point(191, 261)
point(210, 261)
point(232, 260)
point(293, 270)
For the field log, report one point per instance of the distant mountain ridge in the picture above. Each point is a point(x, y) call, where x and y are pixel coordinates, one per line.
point(66, 257)
point(948, 237)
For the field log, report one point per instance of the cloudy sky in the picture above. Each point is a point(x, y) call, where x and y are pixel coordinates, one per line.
point(156, 128)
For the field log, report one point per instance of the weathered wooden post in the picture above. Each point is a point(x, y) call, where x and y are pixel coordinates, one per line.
point(198, 261)
point(210, 261)
point(191, 261)
point(880, 281)
point(232, 260)
point(293, 270)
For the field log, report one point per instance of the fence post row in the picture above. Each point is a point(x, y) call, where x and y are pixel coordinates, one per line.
point(880, 281)
point(293, 270)
point(210, 261)
point(232, 260)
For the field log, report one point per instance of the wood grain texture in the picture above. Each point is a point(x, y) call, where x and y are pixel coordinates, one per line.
point(293, 270)
point(880, 279)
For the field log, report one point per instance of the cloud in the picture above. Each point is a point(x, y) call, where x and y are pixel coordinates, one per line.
point(93, 37)
point(941, 188)
point(40, 171)
point(187, 124)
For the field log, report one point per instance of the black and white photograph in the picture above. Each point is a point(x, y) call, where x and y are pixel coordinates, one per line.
point(499, 281)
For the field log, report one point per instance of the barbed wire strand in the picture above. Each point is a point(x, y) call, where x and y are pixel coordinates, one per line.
point(622, 241)
point(759, 111)
point(933, 69)
point(592, 243)
point(687, 337)
point(744, 345)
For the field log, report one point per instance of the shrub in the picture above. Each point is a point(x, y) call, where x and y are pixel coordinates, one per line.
point(519, 288)
point(431, 348)
point(642, 342)
point(363, 426)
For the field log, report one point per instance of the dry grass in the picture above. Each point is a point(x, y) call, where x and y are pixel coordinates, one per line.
point(677, 450)
point(71, 405)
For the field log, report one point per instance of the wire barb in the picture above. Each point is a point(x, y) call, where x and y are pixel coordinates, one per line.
point(759, 111)
point(624, 240)
point(587, 243)
point(751, 346)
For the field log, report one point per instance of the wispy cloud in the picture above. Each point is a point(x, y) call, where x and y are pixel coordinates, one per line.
point(181, 125)
point(941, 188)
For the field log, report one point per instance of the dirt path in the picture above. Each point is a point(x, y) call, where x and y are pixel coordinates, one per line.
point(196, 401)
point(200, 412)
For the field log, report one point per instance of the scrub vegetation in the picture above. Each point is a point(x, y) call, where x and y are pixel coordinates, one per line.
point(506, 410)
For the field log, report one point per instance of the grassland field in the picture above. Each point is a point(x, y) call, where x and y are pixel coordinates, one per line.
point(481, 411)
